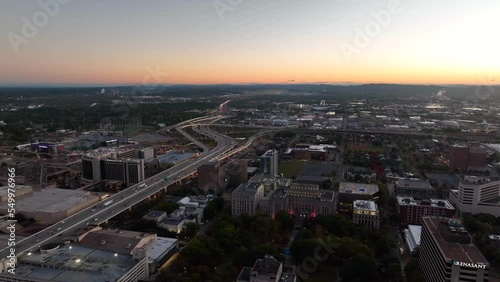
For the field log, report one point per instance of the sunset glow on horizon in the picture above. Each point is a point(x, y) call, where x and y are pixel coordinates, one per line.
point(116, 42)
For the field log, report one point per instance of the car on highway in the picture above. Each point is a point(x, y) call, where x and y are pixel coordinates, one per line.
point(96, 219)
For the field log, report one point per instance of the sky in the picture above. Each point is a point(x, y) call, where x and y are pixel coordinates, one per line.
point(112, 42)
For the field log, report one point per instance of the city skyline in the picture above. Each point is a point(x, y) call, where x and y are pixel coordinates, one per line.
point(239, 42)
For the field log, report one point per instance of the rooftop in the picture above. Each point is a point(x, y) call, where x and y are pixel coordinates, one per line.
point(155, 214)
point(52, 200)
point(472, 179)
point(248, 187)
point(158, 247)
point(116, 241)
point(454, 242)
point(358, 188)
point(415, 232)
point(364, 205)
point(310, 178)
point(409, 201)
point(78, 264)
point(172, 221)
point(269, 153)
point(267, 265)
point(245, 274)
point(414, 183)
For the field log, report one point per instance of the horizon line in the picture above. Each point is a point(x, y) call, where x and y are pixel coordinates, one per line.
point(77, 85)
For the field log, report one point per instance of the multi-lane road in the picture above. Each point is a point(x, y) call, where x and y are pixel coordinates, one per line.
point(128, 197)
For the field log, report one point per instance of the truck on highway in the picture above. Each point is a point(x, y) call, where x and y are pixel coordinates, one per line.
point(142, 186)
point(107, 203)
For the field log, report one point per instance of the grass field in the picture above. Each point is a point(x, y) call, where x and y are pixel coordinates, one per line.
point(290, 168)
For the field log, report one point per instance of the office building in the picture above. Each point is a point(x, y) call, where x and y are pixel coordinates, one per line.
point(365, 213)
point(211, 177)
point(303, 200)
point(130, 171)
point(467, 158)
point(459, 157)
point(269, 162)
point(447, 253)
point(104, 165)
point(411, 210)
point(476, 194)
point(419, 189)
point(246, 198)
point(236, 172)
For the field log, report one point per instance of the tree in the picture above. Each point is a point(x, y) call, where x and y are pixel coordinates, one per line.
point(145, 224)
point(303, 248)
point(191, 229)
point(209, 212)
point(219, 203)
point(328, 184)
point(286, 221)
point(361, 268)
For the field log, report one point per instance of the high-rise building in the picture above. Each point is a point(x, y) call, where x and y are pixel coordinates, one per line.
point(476, 194)
point(211, 177)
point(459, 157)
point(477, 157)
point(447, 253)
point(130, 171)
point(467, 158)
point(91, 168)
point(411, 211)
point(269, 162)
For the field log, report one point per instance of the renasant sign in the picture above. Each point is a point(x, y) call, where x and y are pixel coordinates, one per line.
point(469, 264)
